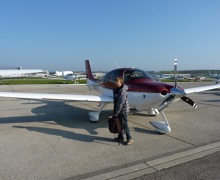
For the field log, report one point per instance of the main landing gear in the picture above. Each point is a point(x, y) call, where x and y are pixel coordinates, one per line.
point(94, 115)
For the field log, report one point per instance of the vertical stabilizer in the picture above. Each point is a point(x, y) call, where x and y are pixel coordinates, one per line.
point(88, 71)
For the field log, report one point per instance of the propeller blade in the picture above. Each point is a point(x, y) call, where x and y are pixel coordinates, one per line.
point(175, 72)
point(189, 101)
point(165, 103)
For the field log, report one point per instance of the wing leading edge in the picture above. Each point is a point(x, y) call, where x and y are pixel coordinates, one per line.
point(67, 97)
point(200, 89)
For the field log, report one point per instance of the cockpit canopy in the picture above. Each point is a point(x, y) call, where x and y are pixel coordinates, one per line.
point(128, 74)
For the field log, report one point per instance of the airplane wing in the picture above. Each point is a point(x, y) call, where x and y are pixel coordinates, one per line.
point(67, 97)
point(200, 89)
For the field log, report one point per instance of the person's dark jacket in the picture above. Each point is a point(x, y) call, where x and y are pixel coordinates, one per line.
point(121, 100)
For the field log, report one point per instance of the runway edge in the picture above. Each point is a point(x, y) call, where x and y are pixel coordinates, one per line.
point(158, 164)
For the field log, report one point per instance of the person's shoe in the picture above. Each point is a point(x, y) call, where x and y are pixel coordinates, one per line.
point(130, 141)
point(119, 139)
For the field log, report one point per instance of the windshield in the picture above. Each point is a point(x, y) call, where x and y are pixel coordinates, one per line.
point(135, 74)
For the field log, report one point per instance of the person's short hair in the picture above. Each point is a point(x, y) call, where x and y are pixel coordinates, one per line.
point(120, 79)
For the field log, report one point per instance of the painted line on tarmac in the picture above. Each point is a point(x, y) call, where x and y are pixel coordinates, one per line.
point(152, 166)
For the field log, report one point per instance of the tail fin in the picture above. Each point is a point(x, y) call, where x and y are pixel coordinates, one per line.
point(89, 72)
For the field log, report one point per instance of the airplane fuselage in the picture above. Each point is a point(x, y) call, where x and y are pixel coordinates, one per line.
point(18, 73)
point(145, 95)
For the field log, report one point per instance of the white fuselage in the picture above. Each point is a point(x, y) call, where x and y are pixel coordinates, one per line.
point(18, 73)
point(139, 100)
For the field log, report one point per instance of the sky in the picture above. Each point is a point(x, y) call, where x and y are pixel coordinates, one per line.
point(146, 34)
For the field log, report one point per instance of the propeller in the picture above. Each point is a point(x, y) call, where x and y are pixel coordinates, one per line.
point(176, 92)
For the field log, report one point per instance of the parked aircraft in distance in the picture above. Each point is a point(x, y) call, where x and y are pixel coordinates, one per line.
point(61, 73)
point(16, 73)
point(144, 93)
point(215, 76)
point(70, 76)
point(170, 76)
point(196, 78)
point(64, 75)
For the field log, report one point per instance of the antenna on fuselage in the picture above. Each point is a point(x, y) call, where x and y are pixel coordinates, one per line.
point(175, 72)
point(117, 63)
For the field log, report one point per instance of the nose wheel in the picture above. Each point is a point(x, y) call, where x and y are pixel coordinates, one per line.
point(161, 126)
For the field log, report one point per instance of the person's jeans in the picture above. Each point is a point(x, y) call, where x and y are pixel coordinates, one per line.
point(125, 127)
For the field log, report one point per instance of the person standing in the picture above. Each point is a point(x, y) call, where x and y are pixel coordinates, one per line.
point(121, 108)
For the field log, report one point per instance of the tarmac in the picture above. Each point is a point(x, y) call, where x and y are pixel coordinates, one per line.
point(54, 140)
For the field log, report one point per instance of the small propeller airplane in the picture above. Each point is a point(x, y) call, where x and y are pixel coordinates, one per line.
point(144, 93)
point(70, 76)
point(215, 76)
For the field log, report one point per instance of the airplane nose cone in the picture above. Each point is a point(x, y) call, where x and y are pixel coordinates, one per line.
point(177, 92)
